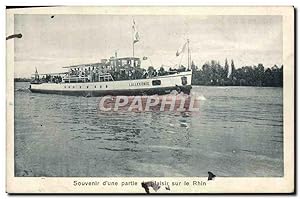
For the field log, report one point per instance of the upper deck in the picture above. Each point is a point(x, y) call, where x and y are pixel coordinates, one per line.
point(124, 62)
point(113, 69)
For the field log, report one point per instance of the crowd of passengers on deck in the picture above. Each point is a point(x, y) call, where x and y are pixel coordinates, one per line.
point(93, 74)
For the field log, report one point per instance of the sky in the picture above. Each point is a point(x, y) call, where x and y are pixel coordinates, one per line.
point(51, 43)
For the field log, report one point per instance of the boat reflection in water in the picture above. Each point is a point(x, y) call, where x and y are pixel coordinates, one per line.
point(172, 102)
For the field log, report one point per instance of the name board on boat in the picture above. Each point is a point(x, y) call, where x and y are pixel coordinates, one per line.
point(139, 84)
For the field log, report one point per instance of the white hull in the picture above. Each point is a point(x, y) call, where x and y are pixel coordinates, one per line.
point(124, 87)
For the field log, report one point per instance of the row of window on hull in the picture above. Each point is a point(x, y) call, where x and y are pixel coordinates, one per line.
point(86, 86)
point(154, 83)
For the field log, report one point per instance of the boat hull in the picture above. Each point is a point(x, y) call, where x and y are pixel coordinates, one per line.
point(129, 92)
point(180, 82)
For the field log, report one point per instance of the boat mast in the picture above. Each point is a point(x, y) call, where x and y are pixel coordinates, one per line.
point(133, 43)
point(188, 43)
point(133, 37)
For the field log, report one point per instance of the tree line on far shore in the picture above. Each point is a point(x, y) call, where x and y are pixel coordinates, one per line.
point(212, 73)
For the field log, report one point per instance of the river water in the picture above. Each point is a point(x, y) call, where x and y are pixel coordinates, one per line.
point(237, 132)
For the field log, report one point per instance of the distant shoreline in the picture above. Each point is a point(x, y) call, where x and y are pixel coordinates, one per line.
point(21, 79)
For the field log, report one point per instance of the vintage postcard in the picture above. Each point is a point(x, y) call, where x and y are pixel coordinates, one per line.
point(150, 100)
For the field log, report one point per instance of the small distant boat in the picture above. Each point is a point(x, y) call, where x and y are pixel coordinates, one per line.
point(115, 76)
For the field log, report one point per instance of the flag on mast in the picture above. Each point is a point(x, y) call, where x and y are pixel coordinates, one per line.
point(136, 36)
point(181, 50)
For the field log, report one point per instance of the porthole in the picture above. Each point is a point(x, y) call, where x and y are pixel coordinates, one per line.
point(95, 86)
point(156, 82)
point(106, 86)
point(79, 86)
point(87, 86)
point(65, 87)
point(100, 86)
point(69, 86)
point(73, 86)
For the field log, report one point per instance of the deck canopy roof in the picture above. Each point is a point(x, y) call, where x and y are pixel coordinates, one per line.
point(41, 74)
point(82, 65)
point(101, 63)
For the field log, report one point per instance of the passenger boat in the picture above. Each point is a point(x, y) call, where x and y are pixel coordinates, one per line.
point(105, 84)
point(115, 76)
